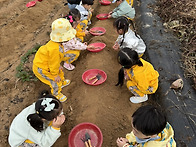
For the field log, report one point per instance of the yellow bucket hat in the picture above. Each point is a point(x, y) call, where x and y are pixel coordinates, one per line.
point(62, 30)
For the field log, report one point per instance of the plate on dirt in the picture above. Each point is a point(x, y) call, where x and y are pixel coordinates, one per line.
point(102, 16)
point(94, 77)
point(105, 2)
point(96, 47)
point(97, 31)
point(78, 133)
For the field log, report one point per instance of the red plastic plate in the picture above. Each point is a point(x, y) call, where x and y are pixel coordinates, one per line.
point(91, 73)
point(31, 4)
point(105, 2)
point(79, 131)
point(97, 31)
point(98, 46)
point(102, 16)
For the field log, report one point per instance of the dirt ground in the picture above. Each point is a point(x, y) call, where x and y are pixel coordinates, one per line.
point(105, 105)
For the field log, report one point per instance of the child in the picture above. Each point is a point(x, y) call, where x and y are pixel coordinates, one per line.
point(72, 47)
point(128, 38)
point(46, 64)
point(122, 9)
point(86, 14)
point(150, 129)
point(141, 77)
point(38, 125)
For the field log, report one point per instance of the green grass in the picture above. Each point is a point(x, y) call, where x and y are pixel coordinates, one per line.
point(25, 73)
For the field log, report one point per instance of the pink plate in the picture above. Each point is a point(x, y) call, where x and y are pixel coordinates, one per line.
point(31, 4)
point(97, 31)
point(99, 46)
point(91, 73)
point(79, 131)
point(102, 16)
point(105, 2)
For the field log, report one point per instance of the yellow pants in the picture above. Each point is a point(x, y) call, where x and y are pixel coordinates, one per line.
point(71, 56)
point(80, 30)
point(140, 93)
point(48, 79)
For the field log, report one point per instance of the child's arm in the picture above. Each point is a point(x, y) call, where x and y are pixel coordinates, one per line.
point(74, 44)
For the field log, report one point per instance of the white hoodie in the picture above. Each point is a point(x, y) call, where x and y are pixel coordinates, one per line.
point(21, 130)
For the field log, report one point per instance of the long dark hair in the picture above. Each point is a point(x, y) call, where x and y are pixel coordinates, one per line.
point(123, 23)
point(127, 58)
point(36, 119)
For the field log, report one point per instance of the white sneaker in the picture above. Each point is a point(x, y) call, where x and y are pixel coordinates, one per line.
point(137, 99)
point(68, 66)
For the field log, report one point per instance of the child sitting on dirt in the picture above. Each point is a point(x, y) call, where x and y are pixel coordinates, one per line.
point(127, 37)
point(46, 64)
point(38, 125)
point(149, 129)
point(122, 9)
point(140, 75)
point(86, 14)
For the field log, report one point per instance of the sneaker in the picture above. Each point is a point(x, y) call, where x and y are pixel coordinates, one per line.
point(137, 99)
point(68, 66)
point(61, 97)
point(65, 83)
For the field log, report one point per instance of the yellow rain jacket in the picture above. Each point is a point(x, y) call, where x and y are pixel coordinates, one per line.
point(144, 79)
point(166, 139)
point(49, 57)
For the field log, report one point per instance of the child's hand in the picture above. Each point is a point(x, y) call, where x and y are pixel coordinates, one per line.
point(109, 16)
point(121, 142)
point(116, 46)
point(110, 13)
point(57, 79)
point(60, 68)
point(86, 32)
point(126, 77)
point(57, 122)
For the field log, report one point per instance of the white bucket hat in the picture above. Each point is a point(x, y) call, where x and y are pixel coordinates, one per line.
point(62, 30)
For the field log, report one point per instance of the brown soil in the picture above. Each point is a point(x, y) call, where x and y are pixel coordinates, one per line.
point(105, 105)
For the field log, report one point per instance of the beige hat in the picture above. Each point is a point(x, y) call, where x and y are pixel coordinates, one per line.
point(62, 30)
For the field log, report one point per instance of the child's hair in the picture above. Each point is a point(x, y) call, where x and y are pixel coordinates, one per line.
point(48, 108)
point(127, 58)
point(149, 120)
point(88, 2)
point(123, 23)
point(73, 15)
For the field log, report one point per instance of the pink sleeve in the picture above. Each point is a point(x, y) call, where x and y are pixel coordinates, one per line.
point(74, 44)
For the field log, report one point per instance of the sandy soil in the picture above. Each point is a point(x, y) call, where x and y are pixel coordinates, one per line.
point(105, 105)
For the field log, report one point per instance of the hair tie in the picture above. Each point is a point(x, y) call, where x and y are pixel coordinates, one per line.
point(71, 19)
point(49, 106)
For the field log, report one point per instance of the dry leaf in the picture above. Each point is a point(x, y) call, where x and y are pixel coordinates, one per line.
point(177, 84)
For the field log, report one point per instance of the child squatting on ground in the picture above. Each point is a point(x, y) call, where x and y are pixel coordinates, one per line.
point(141, 77)
point(149, 129)
point(122, 9)
point(127, 37)
point(86, 13)
point(38, 125)
point(73, 46)
point(46, 64)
